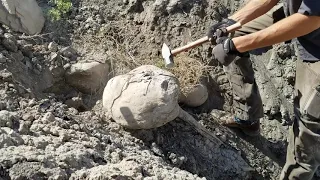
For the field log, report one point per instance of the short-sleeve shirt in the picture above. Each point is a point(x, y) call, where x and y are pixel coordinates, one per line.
point(308, 45)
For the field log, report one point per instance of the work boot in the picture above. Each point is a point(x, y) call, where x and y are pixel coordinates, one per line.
point(252, 129)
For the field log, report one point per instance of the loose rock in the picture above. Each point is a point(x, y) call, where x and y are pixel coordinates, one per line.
point(6, 118)
point(69, 52)
point(88, 77)
point(195, 96)
point(3, 59)
point(10, 43)
point(53, 47)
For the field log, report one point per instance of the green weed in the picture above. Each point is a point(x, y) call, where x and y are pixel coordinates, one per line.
point(61, 8)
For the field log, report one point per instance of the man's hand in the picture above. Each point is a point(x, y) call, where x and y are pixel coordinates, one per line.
point(225, 51)
point(219, 30)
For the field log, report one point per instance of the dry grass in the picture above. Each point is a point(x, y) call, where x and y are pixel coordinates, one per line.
point(189, 71)
point(115, 42)
point(118, 51)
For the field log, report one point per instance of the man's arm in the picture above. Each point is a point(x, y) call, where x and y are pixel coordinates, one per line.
point(252, 10)
point(291, 27)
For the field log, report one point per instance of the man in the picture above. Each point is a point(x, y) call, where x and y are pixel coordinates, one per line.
point(265, 23)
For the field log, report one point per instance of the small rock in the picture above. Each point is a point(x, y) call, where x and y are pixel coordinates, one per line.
point(3, 59)
point(75, 102)
point(155, 149)
point(18, 56)
point(53, 47)
point(10, 43)
point(78, 17)
point(89, 20)
point(23, 104)
point(35, 60)
point(48, 117)
point(67, 66)
point(115, 157)
point(3, 105)
point(28, 64)
point(64, 137)
point(39, 67)
point(195, 96)
point(28, 117)
point(222, 80)
point(27, 50)
point(177, 161)
point(88, 77)
point(23, 127)
point(87, 26)
point(54, 57)
point(69, 52)
point(32, 102)
point(6, 75)
point(22, 43)
point(9, 138)
point(6, 118)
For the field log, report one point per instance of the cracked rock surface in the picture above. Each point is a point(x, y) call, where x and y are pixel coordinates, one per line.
point(145, 98)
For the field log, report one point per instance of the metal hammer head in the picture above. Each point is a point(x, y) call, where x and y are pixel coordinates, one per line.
point(167, 56)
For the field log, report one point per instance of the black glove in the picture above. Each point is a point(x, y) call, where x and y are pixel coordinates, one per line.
point(219, 29)
point(225, 51)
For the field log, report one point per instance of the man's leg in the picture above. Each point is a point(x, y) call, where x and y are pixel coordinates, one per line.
point(247, 103)
point(303, 152)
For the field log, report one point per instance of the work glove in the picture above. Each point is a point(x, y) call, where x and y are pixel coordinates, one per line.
point(225, 51)
point(219, 30)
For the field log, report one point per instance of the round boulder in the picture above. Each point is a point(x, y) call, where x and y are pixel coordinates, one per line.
point(144, 98)
point(195, 96)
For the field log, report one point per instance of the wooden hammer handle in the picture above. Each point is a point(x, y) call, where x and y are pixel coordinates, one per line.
point(233, 27)
point(198, 42)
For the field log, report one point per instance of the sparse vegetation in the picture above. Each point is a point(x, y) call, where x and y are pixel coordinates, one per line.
point(189, 71)
point(61, 8)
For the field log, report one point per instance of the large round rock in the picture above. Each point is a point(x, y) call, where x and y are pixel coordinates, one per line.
point(145, 98)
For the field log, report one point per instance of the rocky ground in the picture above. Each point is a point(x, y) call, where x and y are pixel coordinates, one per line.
point(51, 120)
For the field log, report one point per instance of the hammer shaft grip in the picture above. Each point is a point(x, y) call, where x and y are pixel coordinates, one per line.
point(233, 27)
point(190, 45)
point(198, 42)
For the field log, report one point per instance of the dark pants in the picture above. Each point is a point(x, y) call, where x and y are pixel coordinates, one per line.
point(247, 102)
point(303, 152)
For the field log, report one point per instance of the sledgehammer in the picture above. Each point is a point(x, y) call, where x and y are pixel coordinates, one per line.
point(167, 54)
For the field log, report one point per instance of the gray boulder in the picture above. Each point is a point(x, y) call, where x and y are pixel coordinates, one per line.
point(146, 97)
point(23, 16)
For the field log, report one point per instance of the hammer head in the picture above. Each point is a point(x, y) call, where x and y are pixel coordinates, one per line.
point(167, 56)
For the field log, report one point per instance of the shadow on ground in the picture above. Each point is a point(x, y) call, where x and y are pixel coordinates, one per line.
point(240, 157)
